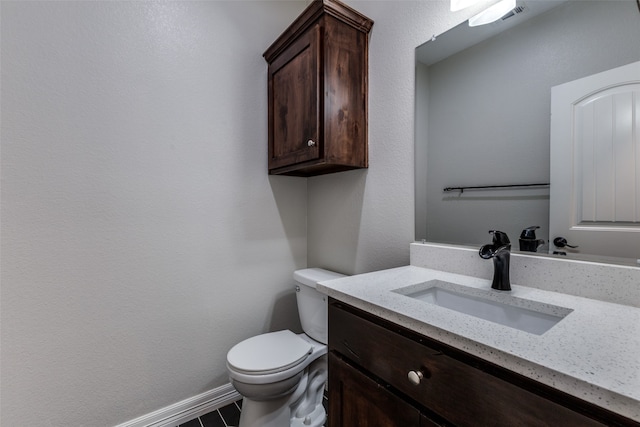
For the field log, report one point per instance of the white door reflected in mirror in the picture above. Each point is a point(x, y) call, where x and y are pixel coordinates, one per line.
point(595, 162)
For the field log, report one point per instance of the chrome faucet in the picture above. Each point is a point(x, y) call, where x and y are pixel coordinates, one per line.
point(500, 252)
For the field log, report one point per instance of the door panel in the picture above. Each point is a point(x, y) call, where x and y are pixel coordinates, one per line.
point(295, 89)
point(595, 163)
point(357, 400)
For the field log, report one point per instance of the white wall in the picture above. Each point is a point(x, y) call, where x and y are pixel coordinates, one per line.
point(363, 220)
point(141, 235)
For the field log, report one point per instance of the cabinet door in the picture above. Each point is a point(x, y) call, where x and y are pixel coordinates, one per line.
point(357, 400)
point(428, 422)
point(294, 94)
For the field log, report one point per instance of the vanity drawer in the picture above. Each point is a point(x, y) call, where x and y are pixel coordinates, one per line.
point(457, 389)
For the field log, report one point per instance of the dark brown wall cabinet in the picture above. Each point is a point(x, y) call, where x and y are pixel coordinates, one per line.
point(384, 375)
point(318, 92)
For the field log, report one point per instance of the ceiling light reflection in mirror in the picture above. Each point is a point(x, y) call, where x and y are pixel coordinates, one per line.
point(493, 13)
point(457, 5)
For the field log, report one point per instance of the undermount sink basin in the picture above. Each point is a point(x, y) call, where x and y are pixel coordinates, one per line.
point(495, 306)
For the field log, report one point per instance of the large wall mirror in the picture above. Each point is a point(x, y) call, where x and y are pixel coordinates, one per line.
point(483, 118)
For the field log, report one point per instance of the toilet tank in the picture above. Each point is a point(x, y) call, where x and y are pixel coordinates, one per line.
point(312, 305)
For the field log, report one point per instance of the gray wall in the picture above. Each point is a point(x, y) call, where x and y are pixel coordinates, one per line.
point(363, 220)
point(141, 235)
point(497, 96)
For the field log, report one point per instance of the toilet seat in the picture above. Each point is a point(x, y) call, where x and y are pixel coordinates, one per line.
point(268, 353)
point(292, 362)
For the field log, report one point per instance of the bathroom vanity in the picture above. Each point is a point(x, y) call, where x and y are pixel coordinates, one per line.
point(377, 367)
point(397, 360)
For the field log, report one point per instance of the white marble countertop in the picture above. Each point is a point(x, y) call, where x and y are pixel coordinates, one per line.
point(593, 353)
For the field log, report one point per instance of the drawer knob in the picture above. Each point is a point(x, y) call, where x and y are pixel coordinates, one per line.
point(415, 377)
point(311, 143)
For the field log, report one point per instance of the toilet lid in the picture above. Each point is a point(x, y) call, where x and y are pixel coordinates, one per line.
point(268, 353)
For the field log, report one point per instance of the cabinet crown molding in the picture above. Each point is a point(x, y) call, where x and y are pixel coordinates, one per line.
point(310, 15)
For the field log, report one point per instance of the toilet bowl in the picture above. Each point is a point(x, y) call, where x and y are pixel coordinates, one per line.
point(281, 375)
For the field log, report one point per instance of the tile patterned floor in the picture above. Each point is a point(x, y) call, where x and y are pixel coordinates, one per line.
point(228, 416)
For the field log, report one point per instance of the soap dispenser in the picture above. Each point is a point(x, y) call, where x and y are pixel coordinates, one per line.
point(528, 241)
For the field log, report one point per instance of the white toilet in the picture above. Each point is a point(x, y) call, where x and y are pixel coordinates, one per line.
point(281, 375)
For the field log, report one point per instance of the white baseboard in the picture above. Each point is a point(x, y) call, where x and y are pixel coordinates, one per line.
point(188, 409)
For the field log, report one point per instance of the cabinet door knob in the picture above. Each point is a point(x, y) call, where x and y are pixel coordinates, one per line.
point(415, 377)
point(311, 143)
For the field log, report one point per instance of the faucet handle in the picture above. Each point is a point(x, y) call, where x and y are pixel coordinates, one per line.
point(500, 238)
point(561, 242)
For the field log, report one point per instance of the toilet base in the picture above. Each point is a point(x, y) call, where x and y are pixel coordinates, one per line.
point(302, 408)
point(276, 413)
point(265, 413)
point(314, 419)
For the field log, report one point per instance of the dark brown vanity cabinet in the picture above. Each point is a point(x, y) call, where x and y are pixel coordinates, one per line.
point(384, 375)
point(365, 402)
point(317, 89)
